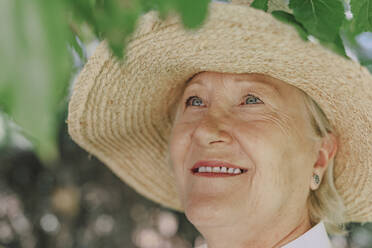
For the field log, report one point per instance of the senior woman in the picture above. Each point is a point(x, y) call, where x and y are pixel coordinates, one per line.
point(246, 154)
point(260, 138)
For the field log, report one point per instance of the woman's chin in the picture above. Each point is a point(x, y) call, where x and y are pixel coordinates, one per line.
point(207, 212)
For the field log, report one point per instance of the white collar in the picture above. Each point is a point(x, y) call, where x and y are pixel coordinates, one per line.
point(315, 237)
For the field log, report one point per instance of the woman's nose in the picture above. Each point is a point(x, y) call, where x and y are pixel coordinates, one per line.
point(213, 129)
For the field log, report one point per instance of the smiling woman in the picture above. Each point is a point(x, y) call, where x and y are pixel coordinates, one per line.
point(260, 138)
point(271, 138)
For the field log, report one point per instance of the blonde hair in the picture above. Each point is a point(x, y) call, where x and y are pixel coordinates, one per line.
point(325, 203)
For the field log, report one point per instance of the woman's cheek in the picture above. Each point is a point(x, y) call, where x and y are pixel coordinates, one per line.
point(191, 116)
point(179, 143)
point(178, 147)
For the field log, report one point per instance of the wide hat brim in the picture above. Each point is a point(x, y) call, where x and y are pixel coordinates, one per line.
point(120, 111)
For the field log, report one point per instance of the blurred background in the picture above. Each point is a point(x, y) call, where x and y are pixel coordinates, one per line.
point(53, 193)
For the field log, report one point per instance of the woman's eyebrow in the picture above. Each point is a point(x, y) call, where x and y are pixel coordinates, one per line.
point(259, 83)
point(262, 82)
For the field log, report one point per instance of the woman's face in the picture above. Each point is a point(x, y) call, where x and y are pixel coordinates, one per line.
point(252, 121)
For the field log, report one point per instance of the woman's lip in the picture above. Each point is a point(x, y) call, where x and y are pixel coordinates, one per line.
point(214, 163)
point(211, 174)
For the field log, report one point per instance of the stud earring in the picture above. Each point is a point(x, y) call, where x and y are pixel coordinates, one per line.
point(316, 178)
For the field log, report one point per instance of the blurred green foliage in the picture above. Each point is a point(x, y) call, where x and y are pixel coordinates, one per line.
point(36, 60)
point(35, 64)
point(38, 37)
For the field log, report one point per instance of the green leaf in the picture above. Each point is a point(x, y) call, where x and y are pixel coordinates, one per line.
point(83, 9)
point(362, 15)
point(164, 6)
point(149, 5)
point(348, 34)
point(322, 18)
point(260, 4)
point(8, 63)
point(4, 131)
point(339, 46)
point(73, 42)
point(7, 93)
point(193, 12)
point(336, 46)
point(289, 18)
point(37, 82)
point(116, 21)
point(92, 3)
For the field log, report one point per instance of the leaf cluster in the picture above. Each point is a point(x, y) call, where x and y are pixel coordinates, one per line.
point(326, 20)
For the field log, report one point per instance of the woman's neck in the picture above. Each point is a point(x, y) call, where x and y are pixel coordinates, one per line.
point(300, 229)
point(271, 236)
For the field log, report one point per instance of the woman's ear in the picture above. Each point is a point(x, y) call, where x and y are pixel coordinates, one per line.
point(326, 152)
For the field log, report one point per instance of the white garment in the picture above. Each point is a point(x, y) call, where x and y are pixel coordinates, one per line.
point(315, 237)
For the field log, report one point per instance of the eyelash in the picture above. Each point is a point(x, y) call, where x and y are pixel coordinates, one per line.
point(189, 98)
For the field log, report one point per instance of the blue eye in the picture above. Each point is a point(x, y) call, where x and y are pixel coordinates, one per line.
point(187, 103)
point(252, 99)
point(249, 99)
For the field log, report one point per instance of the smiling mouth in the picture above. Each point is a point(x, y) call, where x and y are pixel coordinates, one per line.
point(206, 171)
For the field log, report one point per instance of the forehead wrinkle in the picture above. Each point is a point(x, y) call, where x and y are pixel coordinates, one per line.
point(258, 79)
point(256, 84)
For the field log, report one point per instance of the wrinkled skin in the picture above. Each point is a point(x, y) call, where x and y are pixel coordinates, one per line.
point(269, 133)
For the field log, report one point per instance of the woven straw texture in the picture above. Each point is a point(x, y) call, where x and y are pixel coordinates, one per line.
point(120, 112)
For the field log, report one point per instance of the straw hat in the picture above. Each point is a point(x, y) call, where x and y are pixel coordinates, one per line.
point(120, 112)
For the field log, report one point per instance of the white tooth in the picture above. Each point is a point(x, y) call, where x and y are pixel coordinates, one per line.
point(230, 170)
point(201, 169)
point(216, 169)
point(208, 169)
point(237, 171)
point(223, 169)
